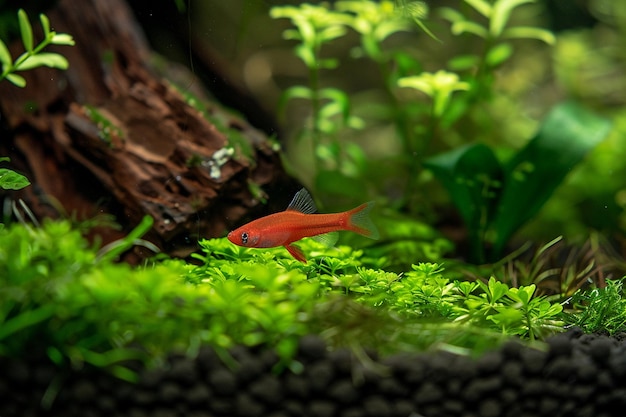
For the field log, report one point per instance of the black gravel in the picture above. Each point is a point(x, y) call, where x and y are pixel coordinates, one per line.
point(579, 375)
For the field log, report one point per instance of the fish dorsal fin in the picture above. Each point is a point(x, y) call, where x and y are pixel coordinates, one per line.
point(302, 202)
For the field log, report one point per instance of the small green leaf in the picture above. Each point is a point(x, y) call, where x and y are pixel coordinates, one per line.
point(17, 80)
point(47, 59)
point(11, 180)
point(5, 56)
point(62, 39)
point(5, 159)
point(26, 30)
point(45, 24)
point(297, 91)
point(469, 27)
point(499, 54)
point(339, 97)
point(306, 54)
point(463, 62)
point(524, 32)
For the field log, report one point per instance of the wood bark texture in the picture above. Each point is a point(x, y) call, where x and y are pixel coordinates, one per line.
point(110, 135)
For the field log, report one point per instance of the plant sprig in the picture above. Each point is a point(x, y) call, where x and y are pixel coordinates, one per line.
point(33, 56)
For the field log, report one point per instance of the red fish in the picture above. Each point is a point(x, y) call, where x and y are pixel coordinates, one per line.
point(298, 221)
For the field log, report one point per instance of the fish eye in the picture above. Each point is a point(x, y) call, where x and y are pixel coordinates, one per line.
point(244, 238)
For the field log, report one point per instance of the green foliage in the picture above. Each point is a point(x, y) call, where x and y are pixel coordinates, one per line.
point(11, 180)
point(495, 199)
point(470, 314)
point(33, 56)
point(599, 309)
point(61, 297)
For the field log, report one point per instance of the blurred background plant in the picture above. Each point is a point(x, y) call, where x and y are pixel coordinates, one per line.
point(387, 85)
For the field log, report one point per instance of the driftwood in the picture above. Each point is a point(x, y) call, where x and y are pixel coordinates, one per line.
point(108, 135)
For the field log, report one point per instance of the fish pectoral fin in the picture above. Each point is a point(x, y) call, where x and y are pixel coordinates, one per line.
point(296, 252)
point(327, 239)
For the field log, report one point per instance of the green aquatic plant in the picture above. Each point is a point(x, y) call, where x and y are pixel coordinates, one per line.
point(315, 26)
point(66, 299)
point(33, 57)
point(11, 180)
point(599, 309)
point(495, 199)
point(492, 25)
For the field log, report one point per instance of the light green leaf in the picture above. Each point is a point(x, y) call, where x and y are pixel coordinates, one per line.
point(501, 13)
point(306, 54)
point(524, 32)
point(45, 24)
point(419, 83)
point(5, 159)
point(499, 54)
point(339, 97)
point(5, 56)
point(451, 15)
point(463, 62)
point(469, 27)
point(11, 180)
point(26, 30)
point(47, 59)
point(62, 39)
point(297, 91)
point(18, 80)
point(331, 32)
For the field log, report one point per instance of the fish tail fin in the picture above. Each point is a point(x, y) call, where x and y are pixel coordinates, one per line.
point(359, 221)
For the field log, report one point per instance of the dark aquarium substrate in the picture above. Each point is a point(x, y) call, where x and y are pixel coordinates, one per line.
point(579, 375)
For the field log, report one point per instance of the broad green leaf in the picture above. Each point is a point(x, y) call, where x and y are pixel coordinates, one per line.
point(45, 24)
point(5, 56)
point(472, 175)
point(17, 80)
point(5, 159)
point(532, 175)
point(11, 180)
point(501, 13)
point(47, 59)
point(62, 39)
point(524, 32)
point(26, 30)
